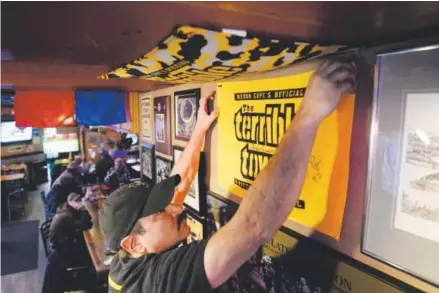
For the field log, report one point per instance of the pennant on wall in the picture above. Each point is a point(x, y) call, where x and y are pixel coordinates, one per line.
point(192, 54)
point(44, 108)
point(100, 108)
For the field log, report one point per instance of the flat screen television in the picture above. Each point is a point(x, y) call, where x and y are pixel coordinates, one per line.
point(13, 134)
point(55, 143)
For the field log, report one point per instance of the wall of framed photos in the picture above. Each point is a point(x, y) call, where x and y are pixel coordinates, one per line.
point(350, 239)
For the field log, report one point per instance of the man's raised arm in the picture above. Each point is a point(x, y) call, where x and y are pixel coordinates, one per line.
point(188, 163)
point(275, 191)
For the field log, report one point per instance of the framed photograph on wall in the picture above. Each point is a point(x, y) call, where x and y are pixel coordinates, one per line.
point(147, 155)
point(163, 168)
point(145, 114)
point(218, 212)
point(186, 109)
point(195, 199)
point(196, 224)
point(162, 125)
point(402, 210)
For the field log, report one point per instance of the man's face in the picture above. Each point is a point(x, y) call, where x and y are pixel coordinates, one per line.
point(77, 205)
point(118, 164)
point(162, 229)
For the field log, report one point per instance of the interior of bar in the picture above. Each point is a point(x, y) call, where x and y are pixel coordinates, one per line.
point(242, 147)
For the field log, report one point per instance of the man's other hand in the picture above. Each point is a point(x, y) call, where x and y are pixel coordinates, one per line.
point(328, 84)
point(204, 120)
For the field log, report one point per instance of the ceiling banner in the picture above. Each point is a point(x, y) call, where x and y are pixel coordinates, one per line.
point(100, 108)
point(44, 108)
point(194, 55)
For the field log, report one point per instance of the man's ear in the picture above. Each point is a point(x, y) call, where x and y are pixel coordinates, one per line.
point(133, 246)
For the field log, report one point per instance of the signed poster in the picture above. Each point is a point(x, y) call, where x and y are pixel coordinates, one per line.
point(145, 107)
point(162, 125)
point(254, 118)
point(186, 107)
point(417, 205)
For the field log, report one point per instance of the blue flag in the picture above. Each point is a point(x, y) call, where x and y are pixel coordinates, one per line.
point(100, 108)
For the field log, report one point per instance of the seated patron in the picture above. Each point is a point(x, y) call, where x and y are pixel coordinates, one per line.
point(117, 175)
point(68, 182)
point(67, 243)
point(105, 163)
point(119, 152)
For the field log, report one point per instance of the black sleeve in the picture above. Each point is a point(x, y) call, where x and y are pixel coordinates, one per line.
point(182, 270)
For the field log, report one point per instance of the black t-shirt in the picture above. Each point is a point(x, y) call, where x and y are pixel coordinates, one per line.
point(178, 270)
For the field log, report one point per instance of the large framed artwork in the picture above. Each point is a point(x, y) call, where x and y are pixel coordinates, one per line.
point(195, 199)
point(145, 112)
point(163, 168)
point(197, 227)
point(147, 161)
point(402, 211)
point(186, 109)
point(162, 125)
point(254, 117)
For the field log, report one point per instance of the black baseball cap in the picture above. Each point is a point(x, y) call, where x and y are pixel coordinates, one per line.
point(131, 202)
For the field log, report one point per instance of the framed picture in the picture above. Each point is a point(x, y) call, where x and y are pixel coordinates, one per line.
point(195, 199)
point(196, 224)
point(219, 211)
point(147, 161)
point(145, 106)
point(321, 269)
point(186, 109)
point(162, 125)
point(402, 210)
point(163, 168)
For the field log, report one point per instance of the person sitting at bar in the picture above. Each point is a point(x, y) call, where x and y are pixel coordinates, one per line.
point(119, 152)
point(67, 243)
point(117, 175)
point(84, 166)
point(146, 226)
point(105, 163)
point(68, 182)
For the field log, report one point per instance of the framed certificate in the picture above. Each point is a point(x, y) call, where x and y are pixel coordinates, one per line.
point(186, 109)
point(162, 125)
point(401, 225)
point(163, 168)
point(196, 197)
point(148, 162)
point(145, 112)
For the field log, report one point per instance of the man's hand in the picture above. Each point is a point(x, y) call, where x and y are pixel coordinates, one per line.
point(204, 120)
point(327, 85)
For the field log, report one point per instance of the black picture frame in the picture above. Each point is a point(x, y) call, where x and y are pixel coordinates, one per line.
point(197, 220)
point(151, 149)
point(195, 202)
point(162, 124)
point(183, 129)
point(160, 164)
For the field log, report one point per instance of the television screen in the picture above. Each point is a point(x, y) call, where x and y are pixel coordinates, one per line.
point(55, 143)
point(14, 134)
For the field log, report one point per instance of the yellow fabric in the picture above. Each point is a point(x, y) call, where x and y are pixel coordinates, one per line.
point(134, 101)
point(113, 284)
point(254, 117)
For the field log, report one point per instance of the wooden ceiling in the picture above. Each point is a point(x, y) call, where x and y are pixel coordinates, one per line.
point(94, 36)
